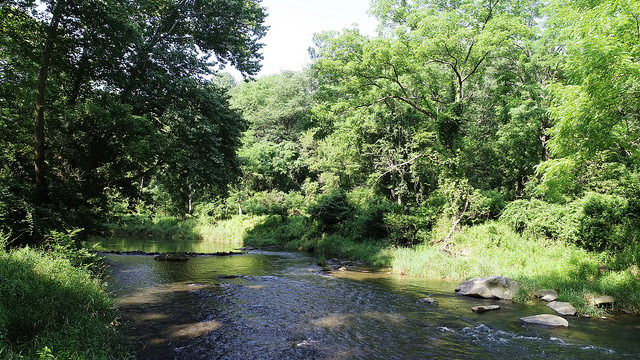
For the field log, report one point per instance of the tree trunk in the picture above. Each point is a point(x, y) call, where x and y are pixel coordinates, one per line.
point(42, 191)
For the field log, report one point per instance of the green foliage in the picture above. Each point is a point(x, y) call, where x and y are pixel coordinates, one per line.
point(47, 303)
point(331, 210)
point(67, 245)
point(145, 225)
point(597, 222)
point(484, 205)
point(604, 224)
point(538, 218)
point(273, 203)
point(114, 126)
point(369, 219)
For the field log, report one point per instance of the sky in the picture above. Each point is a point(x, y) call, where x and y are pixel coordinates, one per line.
point(292, 25)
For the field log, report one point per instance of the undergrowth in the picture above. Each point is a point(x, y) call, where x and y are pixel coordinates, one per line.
point(54, 307)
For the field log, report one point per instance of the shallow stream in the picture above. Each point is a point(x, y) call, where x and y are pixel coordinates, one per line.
point(280, 305)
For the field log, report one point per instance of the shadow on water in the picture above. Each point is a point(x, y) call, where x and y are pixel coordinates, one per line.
point(162, 317)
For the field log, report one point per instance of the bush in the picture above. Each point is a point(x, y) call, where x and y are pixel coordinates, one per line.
point(331, 209)
point(369, 218)
point(158, 227)
point(603, 223)
point(484, 205)
point(539, 218)
point(274, 203)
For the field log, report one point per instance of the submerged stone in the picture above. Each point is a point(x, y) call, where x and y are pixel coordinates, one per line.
point(562, 308)
point(489, 287)
point(545, 320)
point(427, 301)
point(483, 308)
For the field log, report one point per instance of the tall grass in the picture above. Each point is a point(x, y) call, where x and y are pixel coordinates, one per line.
point(535, 262)
point(230, 231)
point(52, 309)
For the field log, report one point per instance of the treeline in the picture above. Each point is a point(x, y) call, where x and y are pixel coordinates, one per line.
point(124, 111)
point(454, 114)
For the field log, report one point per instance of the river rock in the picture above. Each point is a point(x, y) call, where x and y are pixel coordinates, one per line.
point(489, 287)
point(546, 320)
point(562, 308)
point(603, 300)
point(483, 308)
point(172, 257)
point(547, 295)
point(427, 301)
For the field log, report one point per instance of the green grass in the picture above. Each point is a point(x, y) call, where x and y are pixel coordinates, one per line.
point(231, 231)
point(51, 309)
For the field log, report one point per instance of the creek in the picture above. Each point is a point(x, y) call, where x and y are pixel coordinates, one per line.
point(281, 305)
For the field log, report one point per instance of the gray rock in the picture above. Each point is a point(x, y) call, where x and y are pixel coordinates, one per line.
point(545, 320)
point(603, 300)
point(172, 257)
point(427, 301)
point(562, 308)
point(547, 295)
point(483, 308)
point(489, 287)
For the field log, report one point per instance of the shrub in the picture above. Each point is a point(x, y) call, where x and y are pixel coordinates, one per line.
point(274, 203)
point(539, 218)
point(369, 219)
point(484, 205)
point(602, 224)
point(331, 209)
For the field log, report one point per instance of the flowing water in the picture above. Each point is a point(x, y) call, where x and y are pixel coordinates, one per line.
point(280, 305)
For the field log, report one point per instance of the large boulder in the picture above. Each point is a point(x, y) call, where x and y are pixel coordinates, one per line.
point(489, 287)
point(546, 320)
point(562, 308)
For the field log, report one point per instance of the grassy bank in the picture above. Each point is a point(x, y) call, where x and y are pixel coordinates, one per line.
point(53, 309)
point(492, 248)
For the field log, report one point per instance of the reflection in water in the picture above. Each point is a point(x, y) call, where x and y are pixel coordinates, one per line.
point(278, 305)
point(161, 245)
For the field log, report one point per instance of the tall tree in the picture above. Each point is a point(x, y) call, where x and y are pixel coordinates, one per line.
point(595, 108)
point(127, 93)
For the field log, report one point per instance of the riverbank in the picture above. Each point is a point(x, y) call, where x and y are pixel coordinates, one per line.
point(492, 248)
point(54, 308)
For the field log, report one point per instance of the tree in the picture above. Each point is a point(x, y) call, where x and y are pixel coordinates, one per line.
point(423, 78)
point(597, 128)
point(278, 111)
point(127, 95)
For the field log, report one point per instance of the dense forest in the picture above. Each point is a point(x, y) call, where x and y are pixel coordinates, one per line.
point(511, 126)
